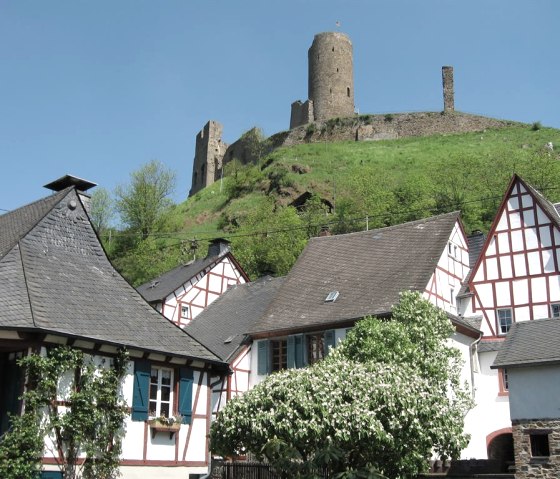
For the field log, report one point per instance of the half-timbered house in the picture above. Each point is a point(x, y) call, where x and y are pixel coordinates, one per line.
point(515, 278)
point(223, 329)
point(57, 287)
point(183, 292)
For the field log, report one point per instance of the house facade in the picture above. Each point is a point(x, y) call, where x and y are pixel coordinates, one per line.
point(531, 355)
point(182, 293)
point(516, 278)
point(338, 280)
point(57, 287)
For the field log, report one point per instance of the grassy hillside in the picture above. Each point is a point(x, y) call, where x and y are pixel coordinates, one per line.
point(369, 184)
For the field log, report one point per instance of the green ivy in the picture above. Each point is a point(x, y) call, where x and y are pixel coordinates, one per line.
point(91, 427)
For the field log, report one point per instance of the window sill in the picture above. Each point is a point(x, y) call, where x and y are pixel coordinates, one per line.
point(503, 394)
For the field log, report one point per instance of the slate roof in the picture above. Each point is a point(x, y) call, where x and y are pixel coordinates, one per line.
point(369, 269)
point(529, 343)
point(487, 346)
point(55, 277)
point(223, 326)
point(545, 204)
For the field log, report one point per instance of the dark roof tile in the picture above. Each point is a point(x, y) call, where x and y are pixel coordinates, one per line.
point(369, 269)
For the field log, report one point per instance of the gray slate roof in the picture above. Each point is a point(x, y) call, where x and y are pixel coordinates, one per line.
point(55, 277)
point(529, 343)
point(369, 269)
point(222, 327)
point(159, 288)
point(487, 346)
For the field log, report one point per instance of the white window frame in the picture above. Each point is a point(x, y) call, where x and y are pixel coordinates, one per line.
point(184, 314)
point(157, 400)
point(499, 320)
point(552, 307)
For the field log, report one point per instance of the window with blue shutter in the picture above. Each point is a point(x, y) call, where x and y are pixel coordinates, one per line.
point(263, 357)
point(291, 347)
point(329, 340)
point(140, 394)
point(186, 376)
point(299, 345)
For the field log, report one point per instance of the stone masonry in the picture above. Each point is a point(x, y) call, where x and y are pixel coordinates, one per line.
point(527, 466)
point(448, 91)
point(331, 80)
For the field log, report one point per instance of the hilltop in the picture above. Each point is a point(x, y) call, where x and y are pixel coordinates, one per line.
point(346, 186)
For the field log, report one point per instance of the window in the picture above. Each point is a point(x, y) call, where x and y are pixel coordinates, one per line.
point(315, 347)
point(504, 320)
point(539, 444)
point(455, 251)
point(161, 392)
point(331, 297)
point(555, 310)
point(449, 248)
point(279, 353)
point(504, 382)
point(452, 297)
point(184, 311)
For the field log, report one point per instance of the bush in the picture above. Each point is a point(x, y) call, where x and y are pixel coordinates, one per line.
point(536, 126)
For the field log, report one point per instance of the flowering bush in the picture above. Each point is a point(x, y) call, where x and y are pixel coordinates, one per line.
point(386, 399)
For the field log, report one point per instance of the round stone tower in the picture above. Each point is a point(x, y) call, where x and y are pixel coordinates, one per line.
point(331, 78)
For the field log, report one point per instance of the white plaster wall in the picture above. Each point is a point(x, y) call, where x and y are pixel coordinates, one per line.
point(491, 412)
point(152, 472)
point(535, 392)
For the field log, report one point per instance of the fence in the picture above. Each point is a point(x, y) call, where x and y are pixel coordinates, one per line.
point(252, 470)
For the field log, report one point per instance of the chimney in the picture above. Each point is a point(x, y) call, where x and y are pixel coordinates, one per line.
point(448, 90)
point(218, 247)
point(80, 184)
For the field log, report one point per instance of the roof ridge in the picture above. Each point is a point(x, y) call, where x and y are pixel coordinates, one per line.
point(391, 227)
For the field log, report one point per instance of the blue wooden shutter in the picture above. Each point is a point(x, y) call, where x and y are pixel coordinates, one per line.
point(299, 350)
point(329, 340)
point(140, 394)
point(51, 475)
point(186, 376)
point(291, 351)
point(262, 357)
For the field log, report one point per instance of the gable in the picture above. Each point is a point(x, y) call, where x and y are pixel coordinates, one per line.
point(518, 268)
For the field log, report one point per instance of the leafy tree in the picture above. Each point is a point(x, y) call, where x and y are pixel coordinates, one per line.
point(142, 203)
point(384, 400)
point(101, 210)
point(90, 428)
point(269, 238)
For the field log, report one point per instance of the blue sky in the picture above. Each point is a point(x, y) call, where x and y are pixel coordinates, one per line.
point(99, 88)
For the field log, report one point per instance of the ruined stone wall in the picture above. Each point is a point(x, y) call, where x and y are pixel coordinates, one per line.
point(301, 114)
point(527, 466)
point(448, 89)
point(331, 77)
point(385, 127)
point(209, 153)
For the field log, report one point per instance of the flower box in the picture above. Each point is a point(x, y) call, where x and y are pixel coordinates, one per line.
point(157, 426)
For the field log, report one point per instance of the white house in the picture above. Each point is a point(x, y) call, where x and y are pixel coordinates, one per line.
point(516, 278)
point(57, 287)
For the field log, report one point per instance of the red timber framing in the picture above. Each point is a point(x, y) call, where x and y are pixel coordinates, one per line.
point(450, 272)
point(518, 266)
point(184, 304)
point(236, 384)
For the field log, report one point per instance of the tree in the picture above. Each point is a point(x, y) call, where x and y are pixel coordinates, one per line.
point(270, 238)
point(101, 210)
point(142, 203)
point(86, 437)
point(384, 400)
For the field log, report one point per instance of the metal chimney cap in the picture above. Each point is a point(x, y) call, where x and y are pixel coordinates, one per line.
point(70, 180)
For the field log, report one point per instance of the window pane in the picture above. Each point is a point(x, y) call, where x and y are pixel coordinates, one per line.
point(154, 376)
point(153, 392)
point(165, 377)
point(164, 409)
point(165, 393)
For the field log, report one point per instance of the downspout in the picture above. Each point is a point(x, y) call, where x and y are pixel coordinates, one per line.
point(473, 358)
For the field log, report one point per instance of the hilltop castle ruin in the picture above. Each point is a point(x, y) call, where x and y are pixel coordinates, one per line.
point(329, 115)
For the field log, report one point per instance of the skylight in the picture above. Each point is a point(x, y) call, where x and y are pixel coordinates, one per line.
point(331, 297)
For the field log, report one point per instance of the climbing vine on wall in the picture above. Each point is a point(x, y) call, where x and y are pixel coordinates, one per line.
point(75, 401)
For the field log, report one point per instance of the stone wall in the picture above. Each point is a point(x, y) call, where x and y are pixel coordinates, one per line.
point(208, 156)
point(448, 89)
point(528, 466)
point(385, 127)
point(331, 75)
point(301, 114)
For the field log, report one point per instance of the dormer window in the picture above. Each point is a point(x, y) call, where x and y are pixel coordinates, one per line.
point(331, 297)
